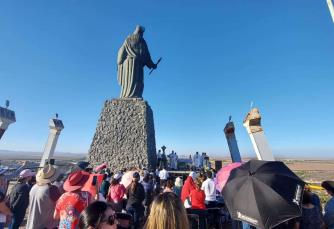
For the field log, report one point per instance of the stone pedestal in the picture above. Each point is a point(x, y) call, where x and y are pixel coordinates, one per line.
point(252, 123)
point(232, 142)
point(124, 136)
point(7, 117)
point(56, 127)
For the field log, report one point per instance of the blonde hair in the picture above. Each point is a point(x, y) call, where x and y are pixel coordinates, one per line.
point(167, 212)
point(198, 183)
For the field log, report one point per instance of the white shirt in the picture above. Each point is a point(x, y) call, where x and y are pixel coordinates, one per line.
point(163, 174)
point(209, 188)
point(2, 218)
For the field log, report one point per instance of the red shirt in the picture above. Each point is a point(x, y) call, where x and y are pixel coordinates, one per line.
point(69, 206)
point(197, 198)
point(188, 186)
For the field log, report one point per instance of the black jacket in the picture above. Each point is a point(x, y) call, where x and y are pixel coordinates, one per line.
point(136, 197)
point(19, 198)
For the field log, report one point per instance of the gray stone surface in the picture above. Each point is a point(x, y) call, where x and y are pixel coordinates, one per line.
point(125, 135)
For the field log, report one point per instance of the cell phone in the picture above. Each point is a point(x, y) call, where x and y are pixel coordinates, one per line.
point(52, 161)
point(94, 180)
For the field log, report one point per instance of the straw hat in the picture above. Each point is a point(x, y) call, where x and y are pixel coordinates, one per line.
point(46, 175)
point(76, 181)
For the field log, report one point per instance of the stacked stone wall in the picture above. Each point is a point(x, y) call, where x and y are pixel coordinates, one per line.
point(124, 136)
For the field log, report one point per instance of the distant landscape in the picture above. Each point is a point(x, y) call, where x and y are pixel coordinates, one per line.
point(310, 169)
point(26, 155)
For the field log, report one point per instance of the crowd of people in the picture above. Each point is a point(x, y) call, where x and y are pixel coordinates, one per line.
point(151, 200)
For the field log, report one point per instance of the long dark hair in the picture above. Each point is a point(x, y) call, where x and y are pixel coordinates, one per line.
point(114, 181)
point(134, 185)
point(93, 215)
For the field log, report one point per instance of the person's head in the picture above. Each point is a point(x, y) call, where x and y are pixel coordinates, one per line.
point(139, 30)
point(147, 177)
point(170, 184)
point(198, 183)
point(307, 197)
point(26, 175)
point(135, 177)
point(46, 175)
point(178, 182)
point(329, 186)
point(75, 181)
point(202, 176)
point(209, 174)
point(167, 212)
point(135, 180)
point(193, 175)
point(98, 215)
point(116, 178)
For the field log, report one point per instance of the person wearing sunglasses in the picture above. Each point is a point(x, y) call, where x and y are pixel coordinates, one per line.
point(98, 215)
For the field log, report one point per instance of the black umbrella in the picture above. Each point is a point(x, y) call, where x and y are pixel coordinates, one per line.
point(263, 193)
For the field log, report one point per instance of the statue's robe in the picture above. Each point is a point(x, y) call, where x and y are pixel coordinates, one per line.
point(132, 57)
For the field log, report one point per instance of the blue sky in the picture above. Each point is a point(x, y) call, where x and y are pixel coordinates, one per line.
point(218, 56)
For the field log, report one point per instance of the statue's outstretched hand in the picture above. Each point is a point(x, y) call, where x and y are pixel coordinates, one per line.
point(155, 66)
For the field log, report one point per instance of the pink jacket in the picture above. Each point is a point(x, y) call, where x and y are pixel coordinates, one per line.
point(116, 193)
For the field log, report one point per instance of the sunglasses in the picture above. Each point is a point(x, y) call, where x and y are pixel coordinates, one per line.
point(109, 220)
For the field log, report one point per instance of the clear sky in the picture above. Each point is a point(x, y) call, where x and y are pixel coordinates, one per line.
point(218, 56)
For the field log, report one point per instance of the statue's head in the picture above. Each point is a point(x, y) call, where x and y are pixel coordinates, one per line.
point(139, 30)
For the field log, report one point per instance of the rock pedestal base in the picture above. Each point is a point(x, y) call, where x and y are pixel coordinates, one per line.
point(124, 136)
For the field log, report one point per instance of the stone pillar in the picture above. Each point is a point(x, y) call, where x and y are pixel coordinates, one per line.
point(252, 123)
point(7, 117)
point(232, 142)
point(56, 127)
point(125, 135)
point(331, 8)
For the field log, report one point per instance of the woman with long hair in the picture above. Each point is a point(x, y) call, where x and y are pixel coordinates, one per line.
point(167, 212)
point(136, 196)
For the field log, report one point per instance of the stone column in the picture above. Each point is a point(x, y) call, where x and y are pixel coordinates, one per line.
point(331, 8)
point(252, 123)
point(7, 117)
point(56, 127)
point(232, 142)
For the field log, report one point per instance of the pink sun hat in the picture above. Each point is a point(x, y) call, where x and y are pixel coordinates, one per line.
point(26, 173)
